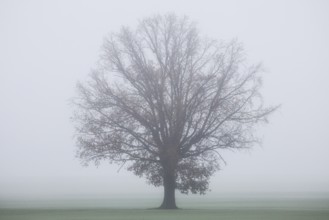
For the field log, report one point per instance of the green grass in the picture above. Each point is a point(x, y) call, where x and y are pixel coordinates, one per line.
point(123, 214)
point(192, 208)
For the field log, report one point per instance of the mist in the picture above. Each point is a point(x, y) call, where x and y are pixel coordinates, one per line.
point(48, 46)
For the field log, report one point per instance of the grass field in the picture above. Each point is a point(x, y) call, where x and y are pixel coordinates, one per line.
point(123, 214)
point(191, 209)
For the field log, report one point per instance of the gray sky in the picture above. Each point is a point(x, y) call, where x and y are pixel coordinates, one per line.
point(47, 46)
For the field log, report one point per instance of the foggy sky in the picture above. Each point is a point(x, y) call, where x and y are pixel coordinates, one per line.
point(47, 46)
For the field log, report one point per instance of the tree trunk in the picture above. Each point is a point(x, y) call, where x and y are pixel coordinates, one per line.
point(169, 183)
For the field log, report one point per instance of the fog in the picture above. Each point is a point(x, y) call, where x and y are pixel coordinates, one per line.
point(47, 46)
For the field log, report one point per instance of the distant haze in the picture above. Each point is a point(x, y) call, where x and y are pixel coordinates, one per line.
point(47, 46)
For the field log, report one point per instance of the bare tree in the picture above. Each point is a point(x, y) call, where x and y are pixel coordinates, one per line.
point(165, 101)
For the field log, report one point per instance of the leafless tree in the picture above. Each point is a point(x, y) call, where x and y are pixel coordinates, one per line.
point(165, 101)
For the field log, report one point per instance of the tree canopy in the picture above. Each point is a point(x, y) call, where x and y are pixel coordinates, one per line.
point(165, 101)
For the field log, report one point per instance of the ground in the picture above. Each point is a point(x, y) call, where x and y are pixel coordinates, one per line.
point(191, 208)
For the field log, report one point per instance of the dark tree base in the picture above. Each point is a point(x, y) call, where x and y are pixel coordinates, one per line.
point(168, 207)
